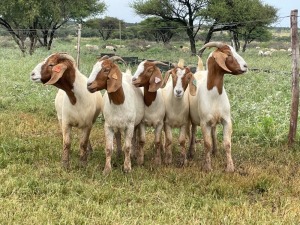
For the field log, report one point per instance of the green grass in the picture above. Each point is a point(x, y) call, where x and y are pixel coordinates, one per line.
point(264, 189)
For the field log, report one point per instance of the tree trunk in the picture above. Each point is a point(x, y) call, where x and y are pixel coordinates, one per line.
point(45, 37)
point(245, 45)
point(51, 38)
point(17, 38)
point(236, 40)
point(208, 37)
point(192, 41)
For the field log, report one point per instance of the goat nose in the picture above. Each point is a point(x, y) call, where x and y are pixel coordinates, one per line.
point(134, 78)
point(32, 74)
point(178, 91)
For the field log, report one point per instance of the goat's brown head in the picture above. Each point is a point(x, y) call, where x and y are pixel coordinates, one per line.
point(225, 58)
point(148, 74)
point(105, 75)
point(182, 77)
point(57, 69)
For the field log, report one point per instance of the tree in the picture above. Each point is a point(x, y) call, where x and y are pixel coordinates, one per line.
point(255, 27)
point(106, 27)
point(185, 12)
point(18, 18)
point(245, 18)
point(39, 20)
point(158, 29)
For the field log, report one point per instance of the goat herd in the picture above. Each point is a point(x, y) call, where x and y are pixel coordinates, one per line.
point(145, 98)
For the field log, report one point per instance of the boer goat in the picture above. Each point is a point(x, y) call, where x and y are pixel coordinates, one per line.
point(210, 105)
point(75, 106)
point(177, 107)
point(123, 108)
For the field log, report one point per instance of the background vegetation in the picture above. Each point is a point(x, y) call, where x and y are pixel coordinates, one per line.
point(34, 189)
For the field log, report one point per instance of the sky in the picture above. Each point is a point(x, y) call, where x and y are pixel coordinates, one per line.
point(120, 9)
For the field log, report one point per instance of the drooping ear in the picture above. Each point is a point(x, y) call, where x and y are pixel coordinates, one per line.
point(220, 58)
point(57, 72)
point(115, 81)
point(155, 80)
point(192, 85)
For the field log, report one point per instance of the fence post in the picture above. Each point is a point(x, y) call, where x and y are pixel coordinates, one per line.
point(78, 44)
point(295, 78)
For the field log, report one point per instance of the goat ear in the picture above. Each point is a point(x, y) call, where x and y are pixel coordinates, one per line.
point(57, 72)
point(155, 80)
point(114, 82)
point(193, 85)
point(220, 58)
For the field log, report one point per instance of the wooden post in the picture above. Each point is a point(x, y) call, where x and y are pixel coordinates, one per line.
point(78, 45)
point(295, 78)
point(120, 31)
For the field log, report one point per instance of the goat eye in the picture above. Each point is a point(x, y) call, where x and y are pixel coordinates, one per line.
point(51, 65)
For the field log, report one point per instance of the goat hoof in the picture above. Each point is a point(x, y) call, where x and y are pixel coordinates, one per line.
point(83, 163)
point(106, 171)
point(140, 160)
point(157, 161)
point(168, 161)
point(191, 153)
point(207, 168)
point(65, 165)
point(229, 169)
point(127, 169)
point(90, 151)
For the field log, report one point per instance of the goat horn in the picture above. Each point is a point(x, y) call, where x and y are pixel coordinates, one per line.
point(103, 57)
point(117, 58)
point(64, 55)
point(167, 74)
point(160, 63)
point(213, 44)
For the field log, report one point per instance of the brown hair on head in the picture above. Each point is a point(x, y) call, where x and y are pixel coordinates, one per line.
point(59, 70)
point(56, 66)
point(111, 72)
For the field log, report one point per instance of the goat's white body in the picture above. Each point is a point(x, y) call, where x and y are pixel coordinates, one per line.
point(154, 117)
point(85, 111)
point(177, 109)
point(208, 106)
point(130, 112)
point(148, 76)
point(177, 116)
point(82, 113)
point(123, 118)
point(155, 113)
point(211, 105)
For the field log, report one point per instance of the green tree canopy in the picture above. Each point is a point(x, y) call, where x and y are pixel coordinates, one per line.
point(185, 12)
point(243, 18)
point(155, 28)
point(106, 27)
point(39, 20)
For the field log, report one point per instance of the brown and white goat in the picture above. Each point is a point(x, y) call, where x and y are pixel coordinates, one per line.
point(75, 106)
point(210, 105)
point(123, 108)
point(177, 107)
point(148, 75)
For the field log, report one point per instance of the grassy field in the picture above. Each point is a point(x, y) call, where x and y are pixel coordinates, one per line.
point(34, 189)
